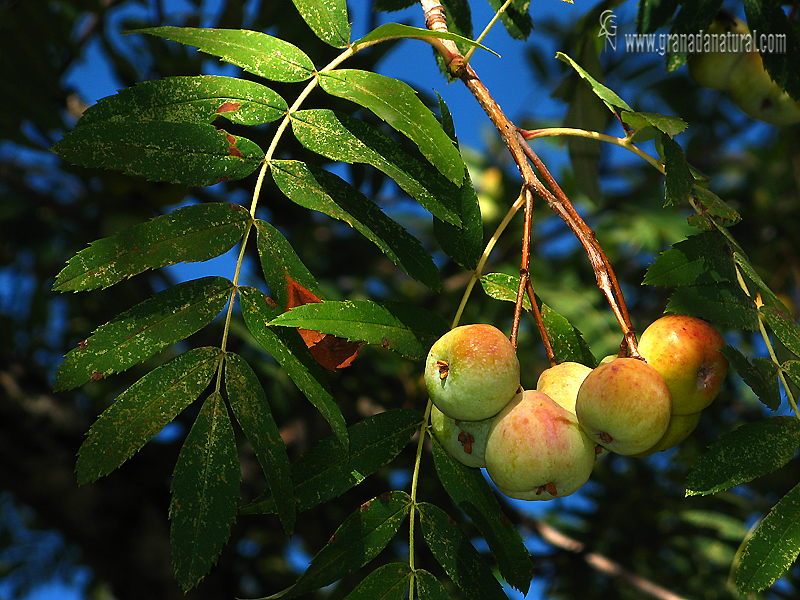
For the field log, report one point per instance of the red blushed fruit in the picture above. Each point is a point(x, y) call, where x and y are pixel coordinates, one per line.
point(472, 372)
point(686, 353)
point(536, 450)
point(624, 405)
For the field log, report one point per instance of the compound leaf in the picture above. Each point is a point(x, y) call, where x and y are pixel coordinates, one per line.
point(251, 409)
point(398, 104)
point(138, 333)
point(326, 471)
point(287, 347)
point(752, 450)
point(205, 492)
point(195, 154)
point(143, 410)
point(317, 189)
point(189, 234)
point(327, 19)
point(358, 540)
point(773, 547)
point(340, 137)
point(255, 52)
point(403, 328)
point(199, 99)
point(456, 554)
point(469, 490)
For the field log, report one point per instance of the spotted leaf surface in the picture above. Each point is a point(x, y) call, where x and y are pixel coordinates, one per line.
point(147, 328)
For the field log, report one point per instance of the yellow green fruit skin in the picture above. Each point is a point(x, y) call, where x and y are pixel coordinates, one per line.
point(481, 373)
point(561, 382)
point(463, 440)
point(624, 406)
point(679, 428)
point(685, 351)
point(714, 70)
point(758, 96)
point(536, 449)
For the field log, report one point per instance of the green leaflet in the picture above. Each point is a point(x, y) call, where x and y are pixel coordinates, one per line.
point(280, 262)
point(784, 327)
point(140, 332)
point(456, 554)
point(189, 234)
point(773, 547)
point(340, 137)
point(463, 244)
point(671, 126)
point(403, 328)
point(761, 375)
point(388, 582)
point(430, 588)
point(392, 31)
point(143, 410)
point(723, 303)
point(678, 178)
point(398, 104)
point(752, 450)
point(255, 52)
point(701, 259)
point(317, 189)
point(199, 99)
point(288, 348)
point(609, 97)
point(471, 493)
point(568, 343)
point(205, 492)
point(196, 154)
point(712, 211)
point(357, 541)
point(327, 470)
point(327, 19)
point(516, 18)
point(252, 412)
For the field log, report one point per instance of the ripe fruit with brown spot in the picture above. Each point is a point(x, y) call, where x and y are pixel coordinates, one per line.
point(624, 405)
point(685, 351)
point(464, 440)
point(536, 450)
point(472, 372)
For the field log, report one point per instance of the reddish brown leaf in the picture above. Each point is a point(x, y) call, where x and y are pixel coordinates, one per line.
point(328, 350)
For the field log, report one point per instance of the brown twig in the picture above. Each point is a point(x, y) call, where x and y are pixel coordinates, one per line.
point(521, 153)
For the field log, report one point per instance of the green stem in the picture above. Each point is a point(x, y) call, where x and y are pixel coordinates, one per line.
point(476, 275)
point(412, 519)
point(593, 135)
point(486, 30)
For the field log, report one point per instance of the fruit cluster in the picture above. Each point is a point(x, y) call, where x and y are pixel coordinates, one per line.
point(542, 444)
point(743, 76)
